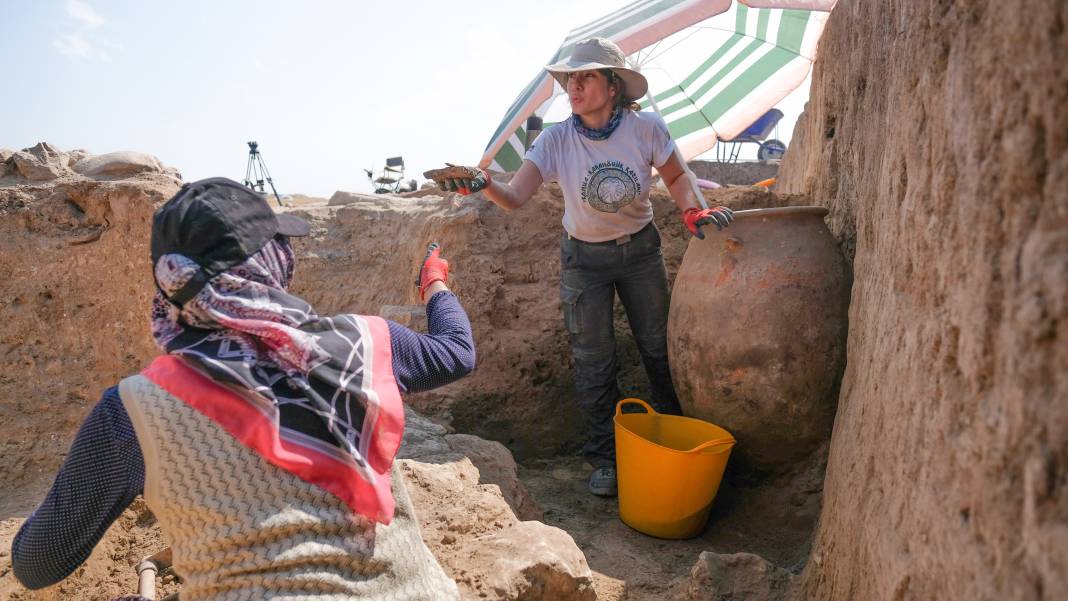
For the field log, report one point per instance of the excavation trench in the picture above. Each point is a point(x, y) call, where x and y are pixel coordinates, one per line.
point(78, 316)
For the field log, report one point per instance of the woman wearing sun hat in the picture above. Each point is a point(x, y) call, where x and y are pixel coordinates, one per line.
point(603, 157)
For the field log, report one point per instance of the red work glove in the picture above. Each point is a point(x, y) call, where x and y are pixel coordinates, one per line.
point(694, 218)
point(434, 269)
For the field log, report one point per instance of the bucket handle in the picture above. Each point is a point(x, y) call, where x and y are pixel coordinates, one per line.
point(728, 442)
point(648, 409)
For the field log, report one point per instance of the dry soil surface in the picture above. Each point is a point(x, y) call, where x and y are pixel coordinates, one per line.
point(774, 520)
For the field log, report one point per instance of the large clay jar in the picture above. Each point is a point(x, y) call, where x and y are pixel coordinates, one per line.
point(757, 332)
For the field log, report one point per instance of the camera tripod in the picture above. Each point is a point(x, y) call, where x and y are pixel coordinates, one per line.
point(256, 172)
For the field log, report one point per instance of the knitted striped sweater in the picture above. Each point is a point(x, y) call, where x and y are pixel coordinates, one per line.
point(241, 528)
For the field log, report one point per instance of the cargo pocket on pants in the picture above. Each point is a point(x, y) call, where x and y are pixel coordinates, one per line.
point(569, 297)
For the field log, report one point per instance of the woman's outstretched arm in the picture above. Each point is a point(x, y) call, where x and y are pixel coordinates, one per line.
point(444, 355)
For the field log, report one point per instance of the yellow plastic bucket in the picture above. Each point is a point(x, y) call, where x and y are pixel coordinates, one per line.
point(669, 469)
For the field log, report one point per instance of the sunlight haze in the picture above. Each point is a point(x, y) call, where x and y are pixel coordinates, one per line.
point(326, 88)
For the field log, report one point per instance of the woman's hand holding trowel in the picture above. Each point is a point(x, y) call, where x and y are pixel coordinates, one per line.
point(464, 180)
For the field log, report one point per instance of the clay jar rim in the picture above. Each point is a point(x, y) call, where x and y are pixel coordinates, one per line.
point(782, 212)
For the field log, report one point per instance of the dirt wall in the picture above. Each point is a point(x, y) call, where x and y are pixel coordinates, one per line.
point(74, 296)
point(505, 268)
point(935, 133)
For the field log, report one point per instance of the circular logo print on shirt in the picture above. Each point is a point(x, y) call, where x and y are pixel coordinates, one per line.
point(610, 186)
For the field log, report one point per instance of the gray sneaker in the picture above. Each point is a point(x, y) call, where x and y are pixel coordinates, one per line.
point(603, 482)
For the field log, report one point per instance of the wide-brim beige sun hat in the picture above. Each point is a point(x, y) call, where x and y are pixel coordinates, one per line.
point(599, 53)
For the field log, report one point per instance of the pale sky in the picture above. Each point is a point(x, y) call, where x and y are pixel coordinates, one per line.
point(326, 88)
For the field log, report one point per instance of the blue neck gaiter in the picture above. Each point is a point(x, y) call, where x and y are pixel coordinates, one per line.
point(598, 133)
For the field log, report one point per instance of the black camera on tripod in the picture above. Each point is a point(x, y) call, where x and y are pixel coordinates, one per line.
point(256, 172)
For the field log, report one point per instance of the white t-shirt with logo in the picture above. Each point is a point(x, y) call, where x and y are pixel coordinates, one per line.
point(605, 182)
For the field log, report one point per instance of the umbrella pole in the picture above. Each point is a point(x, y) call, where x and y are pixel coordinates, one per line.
point(685, 168)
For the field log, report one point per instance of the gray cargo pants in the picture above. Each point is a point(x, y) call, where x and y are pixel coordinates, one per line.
point(591, 274)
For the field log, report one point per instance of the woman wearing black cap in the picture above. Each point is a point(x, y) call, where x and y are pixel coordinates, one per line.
point(603, 158)
point(263, 438)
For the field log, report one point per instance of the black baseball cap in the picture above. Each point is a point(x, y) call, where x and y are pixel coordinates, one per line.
point(218, 223)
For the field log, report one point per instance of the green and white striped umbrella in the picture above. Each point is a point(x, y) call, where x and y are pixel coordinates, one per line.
point(713, 66)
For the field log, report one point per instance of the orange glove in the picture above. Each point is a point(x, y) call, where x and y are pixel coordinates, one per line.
point(434, 269)
point(694, 218)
